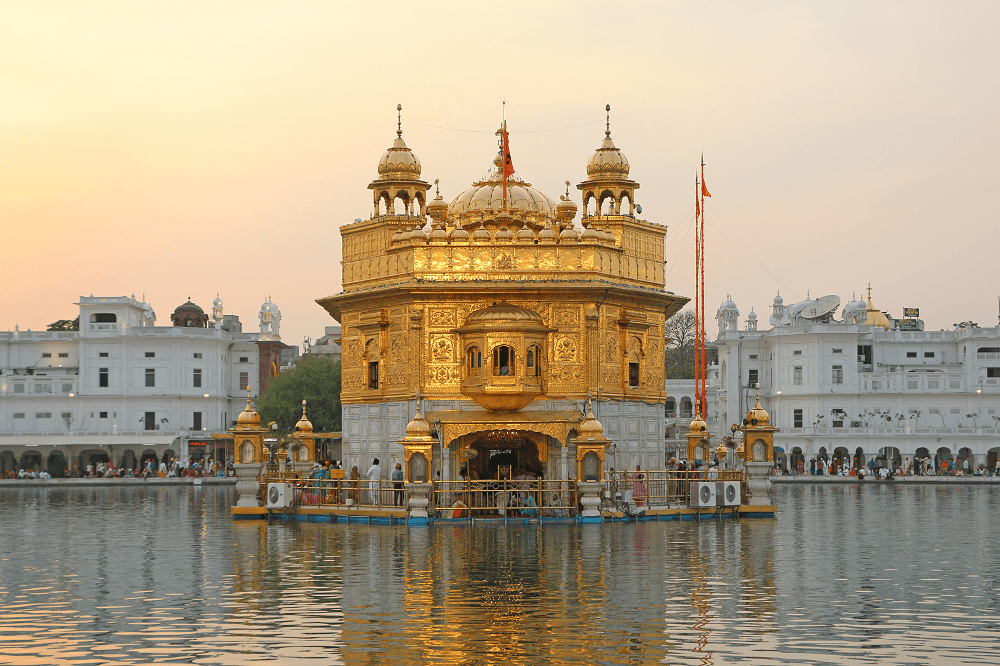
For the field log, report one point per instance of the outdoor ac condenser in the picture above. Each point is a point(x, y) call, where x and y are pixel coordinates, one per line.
point(279, 495)
point(702, 493)
point(728, 493)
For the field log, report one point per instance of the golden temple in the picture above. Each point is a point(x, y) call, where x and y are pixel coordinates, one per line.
point(503, 315)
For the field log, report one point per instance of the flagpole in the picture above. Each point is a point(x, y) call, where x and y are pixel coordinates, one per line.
point(704, 370)
point(506, 151)
point(697, 308)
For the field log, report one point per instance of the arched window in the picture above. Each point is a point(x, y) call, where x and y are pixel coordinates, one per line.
point(503, 361)
point(475, 360)
point(533, 361)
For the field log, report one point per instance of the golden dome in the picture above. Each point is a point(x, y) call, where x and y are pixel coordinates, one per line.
point(248, 418)
point(721, 451)
point(697, 425)
point(608, 162)
point(505, 315)
point(304, 425)
point(438, 207)
point(399, 162)
point(485, 199)
point(566, 209)
point(418, 427)
point(525, 235)
point(460, 234)
point(590, 427)
point(875, 317)
point(758, 416)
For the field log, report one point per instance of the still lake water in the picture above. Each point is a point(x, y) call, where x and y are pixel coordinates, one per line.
point(844, 575)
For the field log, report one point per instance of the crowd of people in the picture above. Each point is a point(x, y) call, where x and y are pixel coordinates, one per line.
point(882, 469)
point(151, 469)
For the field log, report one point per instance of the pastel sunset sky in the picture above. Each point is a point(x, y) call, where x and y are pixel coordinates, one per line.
point(179, 148)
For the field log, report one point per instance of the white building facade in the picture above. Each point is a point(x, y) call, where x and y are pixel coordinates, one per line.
point(861, 387)
point(124, 390)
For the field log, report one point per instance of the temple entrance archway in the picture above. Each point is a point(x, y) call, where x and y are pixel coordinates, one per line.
point(504, 453)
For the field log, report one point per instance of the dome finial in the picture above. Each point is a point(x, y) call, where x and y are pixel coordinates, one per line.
point(869, 292)
point(607, 130)
point(399, 120)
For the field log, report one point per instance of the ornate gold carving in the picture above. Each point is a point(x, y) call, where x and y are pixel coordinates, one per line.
point(396, 349)
point(565, 349)
point(566, 374)
point(558, 431)
point(504, 262)
point(443, 375)
point(566, 318)
point(441, 318)
point(442, 349)
point(611, 348)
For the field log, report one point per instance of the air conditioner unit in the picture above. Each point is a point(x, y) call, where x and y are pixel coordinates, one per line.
point(728, 493)
point(279, 495)
point(702, 493)
point(855, 424)
point(861, 358)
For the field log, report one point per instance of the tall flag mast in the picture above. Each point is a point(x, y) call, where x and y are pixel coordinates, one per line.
point(697, 301)
point(700, 353)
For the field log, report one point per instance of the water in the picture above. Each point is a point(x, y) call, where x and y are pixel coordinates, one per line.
point(881, 574)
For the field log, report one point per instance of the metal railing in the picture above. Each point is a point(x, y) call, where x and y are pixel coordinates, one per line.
point(507, 498)
point(663, 488)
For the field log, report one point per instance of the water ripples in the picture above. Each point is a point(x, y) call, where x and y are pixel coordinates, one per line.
point(844, 575)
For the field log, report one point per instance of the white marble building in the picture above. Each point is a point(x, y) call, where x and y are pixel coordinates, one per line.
point(863, 386)
point(123, 389)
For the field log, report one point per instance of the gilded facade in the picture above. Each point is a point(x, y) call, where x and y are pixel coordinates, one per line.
point(502, 315)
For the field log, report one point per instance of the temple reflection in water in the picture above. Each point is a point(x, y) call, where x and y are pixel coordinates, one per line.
point(498, 315)
point(394, 595)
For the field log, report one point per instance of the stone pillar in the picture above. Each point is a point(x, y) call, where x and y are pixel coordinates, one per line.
point(419, 498)
point(759, 474)
point(247, 484)
point(590, 498)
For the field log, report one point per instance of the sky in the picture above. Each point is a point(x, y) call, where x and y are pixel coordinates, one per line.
point(176, 149)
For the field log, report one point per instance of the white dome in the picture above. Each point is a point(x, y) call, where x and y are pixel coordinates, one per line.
point(778, 300)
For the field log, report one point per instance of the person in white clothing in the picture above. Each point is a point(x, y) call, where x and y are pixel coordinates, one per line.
point(374, 474)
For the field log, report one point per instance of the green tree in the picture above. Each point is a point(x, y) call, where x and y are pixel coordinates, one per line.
point(678, 352)
point(315, 379)
point(65, 325)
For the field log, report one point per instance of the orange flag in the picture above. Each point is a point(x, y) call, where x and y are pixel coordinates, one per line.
point(704, 190)
point(508, 166)
point(697, 206)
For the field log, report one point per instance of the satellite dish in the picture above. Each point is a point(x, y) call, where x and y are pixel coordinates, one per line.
point(638, 209)
point(821, 308)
